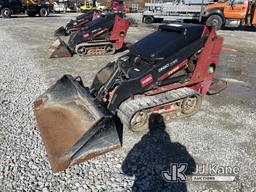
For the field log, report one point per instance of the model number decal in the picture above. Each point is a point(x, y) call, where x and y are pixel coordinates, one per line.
point(147, 80)
point(167, 65)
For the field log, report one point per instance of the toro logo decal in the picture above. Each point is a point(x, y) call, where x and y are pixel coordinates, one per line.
point(85, 35)
point(147, 80)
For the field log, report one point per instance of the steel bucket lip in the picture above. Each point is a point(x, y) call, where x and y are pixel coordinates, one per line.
point(78, 157)
point(59, 49)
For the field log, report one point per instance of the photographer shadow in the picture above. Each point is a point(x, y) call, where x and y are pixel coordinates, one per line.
point(152, 155)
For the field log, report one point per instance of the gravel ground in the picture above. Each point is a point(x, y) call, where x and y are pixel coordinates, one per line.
point(23, 160)
point(222, 133)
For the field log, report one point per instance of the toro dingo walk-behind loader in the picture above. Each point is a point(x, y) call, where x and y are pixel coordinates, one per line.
point(75, 24)
point(103, 35)
point(167, 72)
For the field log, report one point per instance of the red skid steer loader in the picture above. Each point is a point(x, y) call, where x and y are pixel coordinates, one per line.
point(167, 72)
point(103, 35)
point(75, 24)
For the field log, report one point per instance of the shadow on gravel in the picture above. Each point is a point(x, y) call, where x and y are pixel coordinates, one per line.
point(153, 154)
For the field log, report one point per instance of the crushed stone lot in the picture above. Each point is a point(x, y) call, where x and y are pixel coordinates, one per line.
point(222, 133)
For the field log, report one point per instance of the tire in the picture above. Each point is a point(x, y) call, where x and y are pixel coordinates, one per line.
point(148, 20)
point(141, 124)
point(31, 14)
point(191, 105)
point(110, 49)
point(43, 12)
point(215, 20)
point(6, 13)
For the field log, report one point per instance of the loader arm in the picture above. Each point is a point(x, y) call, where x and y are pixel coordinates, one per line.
point(119, 31)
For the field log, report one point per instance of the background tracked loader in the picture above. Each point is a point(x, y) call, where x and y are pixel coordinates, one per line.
point(103, 35)
point(77, 23)
point(167, 72)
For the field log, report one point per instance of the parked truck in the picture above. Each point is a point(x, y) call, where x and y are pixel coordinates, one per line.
point(243, 12)
point(207, 12)
point(175, 10)
point(31, 7)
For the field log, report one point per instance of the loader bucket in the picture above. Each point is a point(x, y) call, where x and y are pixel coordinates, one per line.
point(60, 32)
point(73, 125)
point(59, 49)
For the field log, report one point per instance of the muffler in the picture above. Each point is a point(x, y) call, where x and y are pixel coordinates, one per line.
point(59, 49)
point(73, 125)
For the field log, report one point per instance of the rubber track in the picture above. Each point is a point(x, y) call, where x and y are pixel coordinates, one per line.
point(129, 107)
point(93, 46)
